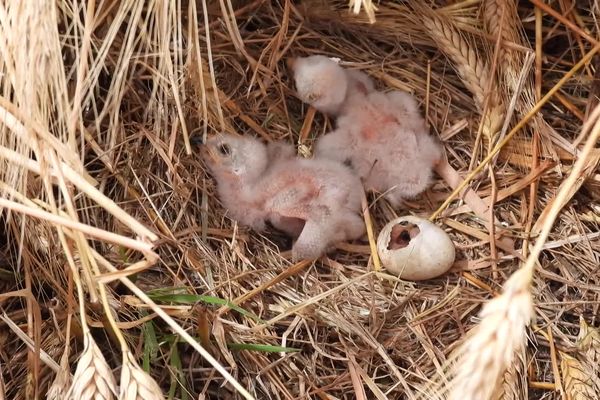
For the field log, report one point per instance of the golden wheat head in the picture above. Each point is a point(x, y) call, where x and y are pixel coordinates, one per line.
point(472, 69)
point(135, 383)
point(478, 365)
point(470, 66)
point(93, 378)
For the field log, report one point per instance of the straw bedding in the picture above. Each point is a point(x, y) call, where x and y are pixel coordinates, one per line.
point(123, 277)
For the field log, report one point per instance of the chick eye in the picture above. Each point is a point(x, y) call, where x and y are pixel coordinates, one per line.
point(224, 149)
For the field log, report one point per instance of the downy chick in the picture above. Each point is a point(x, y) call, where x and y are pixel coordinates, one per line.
point(315, 201)
point(381, 135)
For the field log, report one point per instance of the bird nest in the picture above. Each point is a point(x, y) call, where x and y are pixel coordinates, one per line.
point(123, 277)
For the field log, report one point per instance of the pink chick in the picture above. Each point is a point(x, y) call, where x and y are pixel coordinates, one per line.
point(315, 201)
point(382, 136)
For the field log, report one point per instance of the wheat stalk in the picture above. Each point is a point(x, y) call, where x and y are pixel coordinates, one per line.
point(90, 267)
point(135, 383)
point(36, 95)
point(44, 119)
point(90, 230)
point(93, 378)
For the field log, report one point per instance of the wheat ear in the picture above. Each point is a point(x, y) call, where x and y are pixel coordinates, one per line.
point(475, 369)
point(472, 69)
point(501, 20)
point(93, 378)
point(581, 374)
point(499, 17)
point(578, 383)
point(135, 383)
point(588, 341)
point(60, 386)
point(489, 351)
point(513, 385)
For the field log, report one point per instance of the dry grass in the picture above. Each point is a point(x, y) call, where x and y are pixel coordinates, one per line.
point(118, 261)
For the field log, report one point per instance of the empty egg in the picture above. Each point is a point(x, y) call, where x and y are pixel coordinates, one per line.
point(415, 249)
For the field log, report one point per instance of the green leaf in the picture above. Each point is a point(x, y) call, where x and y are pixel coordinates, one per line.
point(195, 298)
point(123, 254)
point(177, 374)
point(262, 347)
point(150, 344)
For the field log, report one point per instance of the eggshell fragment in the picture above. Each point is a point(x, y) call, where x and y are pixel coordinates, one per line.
point(415, 249)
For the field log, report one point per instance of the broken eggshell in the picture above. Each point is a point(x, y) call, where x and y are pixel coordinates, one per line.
point(415, 249)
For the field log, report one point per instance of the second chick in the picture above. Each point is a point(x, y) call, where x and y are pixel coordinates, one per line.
point(381, 135)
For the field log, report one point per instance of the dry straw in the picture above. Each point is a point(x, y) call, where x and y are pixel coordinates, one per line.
point(367, 5)
point(38, 101)
point(105, 204)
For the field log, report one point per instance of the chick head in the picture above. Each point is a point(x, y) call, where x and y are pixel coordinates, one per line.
point(232, 156)
point(320, 82)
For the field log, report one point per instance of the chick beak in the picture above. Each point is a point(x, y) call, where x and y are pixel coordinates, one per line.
point(196, 140)
point(205, 153)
